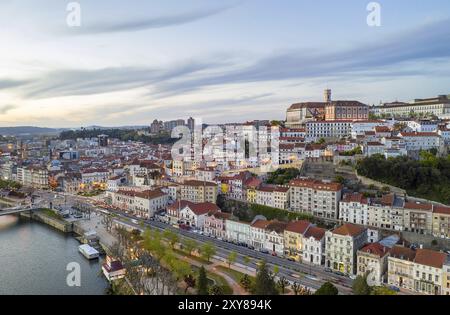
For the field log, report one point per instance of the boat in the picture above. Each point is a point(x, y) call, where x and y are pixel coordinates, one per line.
point(88, 251)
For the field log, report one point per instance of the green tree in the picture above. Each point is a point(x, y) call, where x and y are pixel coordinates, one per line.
point(208, 250)
point(360, 286)
point(172, 237)
point(327, 289)
point(202, 282)
point(282, 284)
point(189, 245)
point(216, 290)
point(264, 283)
point(231, 259)
point(246, 282)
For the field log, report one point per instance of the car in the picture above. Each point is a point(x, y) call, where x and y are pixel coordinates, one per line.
point(291, 259)
point(353, 277)
point(274, 254)
point(251, 247)
point(340, 273)
point(264, 251)
point(328, 270)
point(394, 288)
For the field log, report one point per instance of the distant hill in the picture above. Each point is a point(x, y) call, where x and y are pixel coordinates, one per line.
point(28, 130)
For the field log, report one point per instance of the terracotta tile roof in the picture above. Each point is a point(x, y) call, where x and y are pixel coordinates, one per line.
point(356, 197)
point(299, 227)
point(430, 258)
point(403, 253)
point(315, 184)
point(349, 229)
point(203, 208)
point(179, 204)
point(260, 224)
point(198, 183)
point(419, 134)
point(441, 210)
point(316, 232)
point(375, 249)
point(418, 206)
point(150, 194)
point(276, 226)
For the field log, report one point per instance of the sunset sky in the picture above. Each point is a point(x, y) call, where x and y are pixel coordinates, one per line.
point(220, 60)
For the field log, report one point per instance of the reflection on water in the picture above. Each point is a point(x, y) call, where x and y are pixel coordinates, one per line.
point(34, 257)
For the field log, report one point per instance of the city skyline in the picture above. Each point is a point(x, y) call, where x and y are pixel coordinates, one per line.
point(221, 61)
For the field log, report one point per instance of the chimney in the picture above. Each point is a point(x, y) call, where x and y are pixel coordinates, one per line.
point(327, 95)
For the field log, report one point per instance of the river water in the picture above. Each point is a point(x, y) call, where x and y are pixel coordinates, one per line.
point(34, 258)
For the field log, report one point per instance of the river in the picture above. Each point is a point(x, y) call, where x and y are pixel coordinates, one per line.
point(34, 258)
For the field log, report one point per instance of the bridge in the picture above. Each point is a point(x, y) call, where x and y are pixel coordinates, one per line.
point(16, 211)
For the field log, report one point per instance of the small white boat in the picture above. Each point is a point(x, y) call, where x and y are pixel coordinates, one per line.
point(88, 251)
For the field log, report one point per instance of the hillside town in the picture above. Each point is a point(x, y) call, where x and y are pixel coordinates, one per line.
point(304, 192)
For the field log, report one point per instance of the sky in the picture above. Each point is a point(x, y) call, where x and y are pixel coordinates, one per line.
point(130, 62)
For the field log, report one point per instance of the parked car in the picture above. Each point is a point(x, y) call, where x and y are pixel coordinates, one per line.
point(328, 270)
point(394, 288)
point(264, 251)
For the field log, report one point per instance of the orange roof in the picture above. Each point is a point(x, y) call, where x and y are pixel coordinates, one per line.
point(260, 224)
point(418, 206)
point(403, 253)
point(356, 197)
point(431, 258)
point(315, 232)
point(442, 210)
point(299, 227)
point(349, 229)
point(375, 249)
point(198, 183)
point(315, 184)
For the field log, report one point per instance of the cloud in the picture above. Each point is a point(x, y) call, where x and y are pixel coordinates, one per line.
point(6, 83)
point(152, 22)
point(6, 108)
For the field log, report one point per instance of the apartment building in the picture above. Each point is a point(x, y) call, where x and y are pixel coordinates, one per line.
point(341, 246)
point(273, 196)
point(335, 129)
point(142, 203)
point(258, 233)
point(314, 246)
point(354, 208)
point(199, 191)
point(428, 271)
point(372, 260)
point(416, 141)
point(215, 224)
point(274, 240)
point(401, 267)
point(446, 277)
point(441, 221)
point(418, 217)
point(293, 239)
point(318, 198)
point(237, 232)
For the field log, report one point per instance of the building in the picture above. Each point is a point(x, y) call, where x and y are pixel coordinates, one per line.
point(438, 106)
point(141, 203)
point(441, 221)
point(258, 233)
point(237, 232)
point(215, 224)
point(418, 217)
point(314, 246)
point(194, 214)
point(342, 244)
point(346, 110)
point(300, 113)
point(372, 261)
point(354, 208)
point(274, 238)
point(446, 277)
point(428, 271)
point(330, 129)
point(293, 239)
point(416, 141)
point(199, 191)
point(318, 198)
point(273, 196)
point(401, 267)
point(103, 140)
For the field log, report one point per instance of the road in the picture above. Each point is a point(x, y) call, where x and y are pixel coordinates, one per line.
point(310, 276)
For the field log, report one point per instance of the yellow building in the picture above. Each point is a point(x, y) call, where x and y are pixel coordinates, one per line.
point(199, 191)
point(441, 221)
point(293, 239)
point(251, 195)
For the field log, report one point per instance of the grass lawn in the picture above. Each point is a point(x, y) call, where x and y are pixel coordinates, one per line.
point(236, 275)
point(220, 281)
point(52, 214)
point(196, 258)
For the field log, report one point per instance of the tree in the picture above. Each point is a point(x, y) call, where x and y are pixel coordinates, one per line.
point(327, 289)
point(172, 237)
point(282, 284)
point(246, 282)
point(360, 286)
point(189, 280)
point(296, 288)
point(231, 259)
point(382, 291)
point(208, 250)
point(202, 282)
point(216, 290)
point(264, 283)
point(189, 245)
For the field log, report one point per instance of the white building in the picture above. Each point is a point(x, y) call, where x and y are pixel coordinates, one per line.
point(416, 141)
point(238, 232)
point(314, 246)
point(354, 208)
